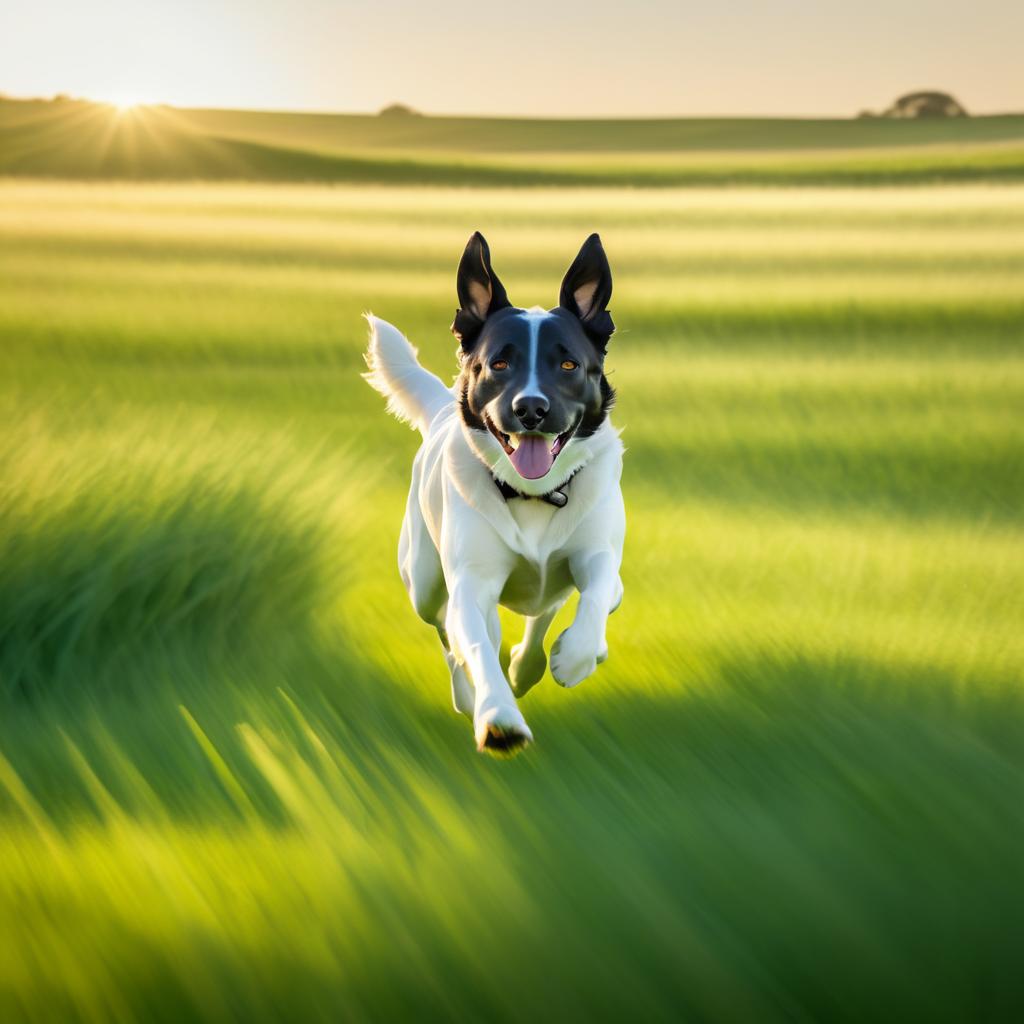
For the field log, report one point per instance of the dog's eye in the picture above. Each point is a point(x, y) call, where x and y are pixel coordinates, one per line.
point(499, 364)
point(568, 364)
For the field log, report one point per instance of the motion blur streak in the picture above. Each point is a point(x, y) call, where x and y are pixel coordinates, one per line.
point(229, 785)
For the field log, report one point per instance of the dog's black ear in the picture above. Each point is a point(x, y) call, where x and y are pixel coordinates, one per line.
point(480, 291)
point(587, 290)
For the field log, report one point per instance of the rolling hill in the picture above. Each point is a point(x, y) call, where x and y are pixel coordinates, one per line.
point(73, 139)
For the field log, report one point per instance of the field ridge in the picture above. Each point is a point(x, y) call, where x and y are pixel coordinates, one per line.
point(88, 141)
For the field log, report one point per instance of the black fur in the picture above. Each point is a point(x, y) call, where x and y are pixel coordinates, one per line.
point(591, 422)
point(590, 268)
point(475, 269)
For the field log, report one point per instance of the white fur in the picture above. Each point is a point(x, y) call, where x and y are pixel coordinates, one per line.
point(464, 549)
point(414, 395)
point(534, 317)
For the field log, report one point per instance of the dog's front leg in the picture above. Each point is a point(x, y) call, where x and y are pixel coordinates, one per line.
point(582, 647)
point(475, 630)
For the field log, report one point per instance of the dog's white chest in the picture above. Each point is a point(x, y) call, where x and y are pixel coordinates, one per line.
point(540, 573)
point(534, 519)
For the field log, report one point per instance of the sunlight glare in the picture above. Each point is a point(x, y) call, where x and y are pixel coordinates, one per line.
point(124, 102)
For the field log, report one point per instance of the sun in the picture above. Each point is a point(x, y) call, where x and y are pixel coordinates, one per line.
point(124, 102)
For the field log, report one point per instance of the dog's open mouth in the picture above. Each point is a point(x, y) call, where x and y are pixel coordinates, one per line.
point(531, 455)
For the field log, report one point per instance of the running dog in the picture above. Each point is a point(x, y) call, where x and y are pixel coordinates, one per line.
point(515, 496)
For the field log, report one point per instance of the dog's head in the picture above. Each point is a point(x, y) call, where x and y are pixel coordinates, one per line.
point(532, 385)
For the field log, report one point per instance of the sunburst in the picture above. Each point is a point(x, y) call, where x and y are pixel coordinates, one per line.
point(125, 103)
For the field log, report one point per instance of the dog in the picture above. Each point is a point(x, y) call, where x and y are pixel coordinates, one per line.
point(515, 496)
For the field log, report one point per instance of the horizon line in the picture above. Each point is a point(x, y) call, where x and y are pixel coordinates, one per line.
point(416, 112)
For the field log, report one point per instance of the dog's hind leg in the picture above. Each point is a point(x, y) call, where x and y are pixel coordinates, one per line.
point(526, 668)
point(462, 688)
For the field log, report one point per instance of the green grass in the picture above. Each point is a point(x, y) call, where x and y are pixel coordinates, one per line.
point(86, 141)
point(231, 785)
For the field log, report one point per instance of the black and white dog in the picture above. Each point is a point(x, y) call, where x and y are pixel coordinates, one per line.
point(515, 495)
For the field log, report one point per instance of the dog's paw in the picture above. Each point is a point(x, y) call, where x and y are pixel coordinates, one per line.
point(575, 656)
point(501, 730)
point(526, 669)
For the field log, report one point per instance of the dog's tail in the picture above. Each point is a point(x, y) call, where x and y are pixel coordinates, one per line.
point(414, 395)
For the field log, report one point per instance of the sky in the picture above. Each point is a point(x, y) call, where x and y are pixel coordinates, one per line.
point(530, 57)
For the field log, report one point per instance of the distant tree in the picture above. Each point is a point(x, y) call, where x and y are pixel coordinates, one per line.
point(398, 110)
point(925, 104)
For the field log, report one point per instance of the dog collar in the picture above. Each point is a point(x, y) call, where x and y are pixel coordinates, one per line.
point(558, 497)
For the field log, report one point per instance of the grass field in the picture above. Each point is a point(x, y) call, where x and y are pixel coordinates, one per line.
point(81, 140)
point(231, 784)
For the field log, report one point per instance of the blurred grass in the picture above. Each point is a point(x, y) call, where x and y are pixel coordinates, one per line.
point(231, 786)
point(183, 558)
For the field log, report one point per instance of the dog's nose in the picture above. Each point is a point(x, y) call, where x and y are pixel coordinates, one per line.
point(530, 410)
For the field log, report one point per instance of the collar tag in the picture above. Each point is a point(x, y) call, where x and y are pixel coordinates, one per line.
point(558, 498)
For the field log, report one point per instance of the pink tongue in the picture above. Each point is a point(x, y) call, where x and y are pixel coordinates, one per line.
point(533, 458)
